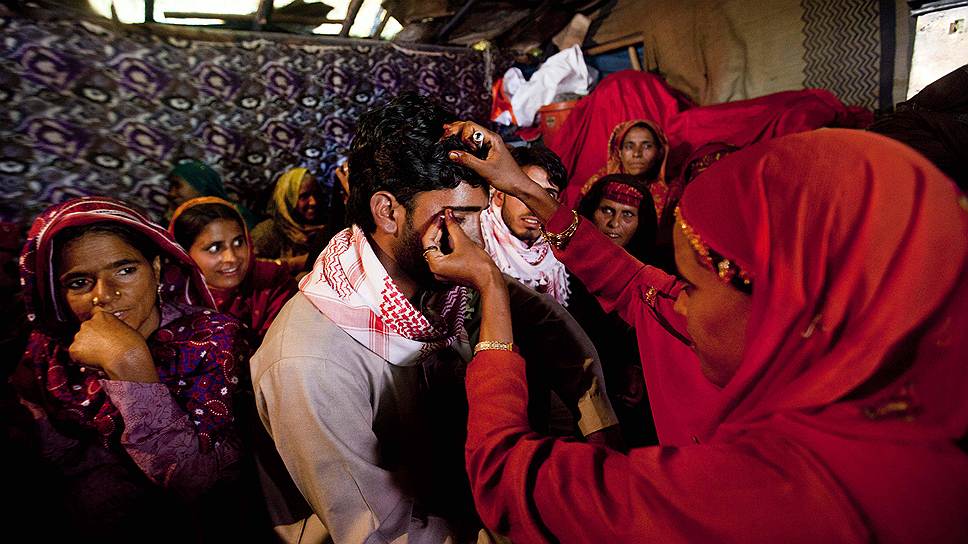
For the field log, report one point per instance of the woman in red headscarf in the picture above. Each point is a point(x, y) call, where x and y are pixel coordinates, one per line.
point(130, 376)
point(215, 236)
point(808, 379)
point(640, 148)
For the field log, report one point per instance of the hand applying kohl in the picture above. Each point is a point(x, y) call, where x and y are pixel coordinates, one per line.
point(499, 167)
point(467, 264)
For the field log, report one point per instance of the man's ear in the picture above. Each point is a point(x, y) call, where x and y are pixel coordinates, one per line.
point(386, 212)
point(498, 199)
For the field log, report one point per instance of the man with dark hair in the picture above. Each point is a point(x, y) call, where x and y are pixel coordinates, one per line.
point(512, 233)
point(359, 381)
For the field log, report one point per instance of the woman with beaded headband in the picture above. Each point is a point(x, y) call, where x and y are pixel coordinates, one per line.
point(129, 377)
point(807, 378)
point(621, 207)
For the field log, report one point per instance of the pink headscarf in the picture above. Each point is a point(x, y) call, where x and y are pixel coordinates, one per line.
point(66, 394)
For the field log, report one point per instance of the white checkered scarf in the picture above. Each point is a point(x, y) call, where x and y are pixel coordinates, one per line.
point(535, 266)
point(351, 287)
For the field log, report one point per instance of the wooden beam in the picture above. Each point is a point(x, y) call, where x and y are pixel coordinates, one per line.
point(351, 13)
point(634, 39)
point(276, 17)
point(634, 58)
point(382, 25)
point(262, 14)
point(454, 21)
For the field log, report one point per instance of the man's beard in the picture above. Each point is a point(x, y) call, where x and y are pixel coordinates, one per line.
point(528, 236)
point(410, 258)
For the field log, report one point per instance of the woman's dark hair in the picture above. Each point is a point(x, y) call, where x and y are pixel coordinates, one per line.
point(190, 223)
point(148, 249)
point(398, 149)
point(643, 243)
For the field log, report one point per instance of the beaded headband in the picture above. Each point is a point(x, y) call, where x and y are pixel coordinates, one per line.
point(728, 271)
point(622, 193)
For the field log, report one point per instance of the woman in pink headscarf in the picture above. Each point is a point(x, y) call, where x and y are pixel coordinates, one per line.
point(131, 379)
point(640, 148)
point(809, 375)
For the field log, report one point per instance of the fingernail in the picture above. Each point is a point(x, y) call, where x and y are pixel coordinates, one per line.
point(453, 155)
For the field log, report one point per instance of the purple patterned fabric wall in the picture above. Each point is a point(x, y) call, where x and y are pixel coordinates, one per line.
point(88, 109)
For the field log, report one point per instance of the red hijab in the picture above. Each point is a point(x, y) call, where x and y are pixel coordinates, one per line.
point(265, 287)
point(67, 392)
point(857, 249)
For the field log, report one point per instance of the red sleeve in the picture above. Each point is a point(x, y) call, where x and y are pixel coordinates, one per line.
point(539, 489)
point(619, 281)
point(274, 286)
point(501, 447)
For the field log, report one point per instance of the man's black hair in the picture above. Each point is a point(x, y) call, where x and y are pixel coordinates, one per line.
point(398, 149)
point(544, 158)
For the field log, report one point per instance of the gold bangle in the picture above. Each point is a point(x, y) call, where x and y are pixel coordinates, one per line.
point(484, 345)
point(560, 240)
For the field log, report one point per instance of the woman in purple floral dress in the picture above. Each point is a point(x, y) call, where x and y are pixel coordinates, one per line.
point(129, 374)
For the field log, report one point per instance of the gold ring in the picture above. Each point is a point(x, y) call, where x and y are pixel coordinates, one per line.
point(428, 249)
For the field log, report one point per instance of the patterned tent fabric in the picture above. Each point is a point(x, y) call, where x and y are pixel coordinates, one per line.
point(93, 110)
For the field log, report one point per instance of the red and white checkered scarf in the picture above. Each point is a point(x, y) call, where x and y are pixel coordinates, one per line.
point(350, 286)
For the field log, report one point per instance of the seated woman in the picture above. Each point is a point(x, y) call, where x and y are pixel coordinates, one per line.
point(130, 380)
point(335, 215)
point(294, 223)
point(621, 208)
point(249, 289)
point(809, 379)
point(639, 148)
point(192, 179)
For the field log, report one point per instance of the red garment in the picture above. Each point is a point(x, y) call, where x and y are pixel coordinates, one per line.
point(582, 140)
point(257, 300)
point(843, 419)
point(263, 291)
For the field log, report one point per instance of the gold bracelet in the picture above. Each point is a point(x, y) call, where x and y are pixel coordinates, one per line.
point(484, 345)
point(561, 239)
